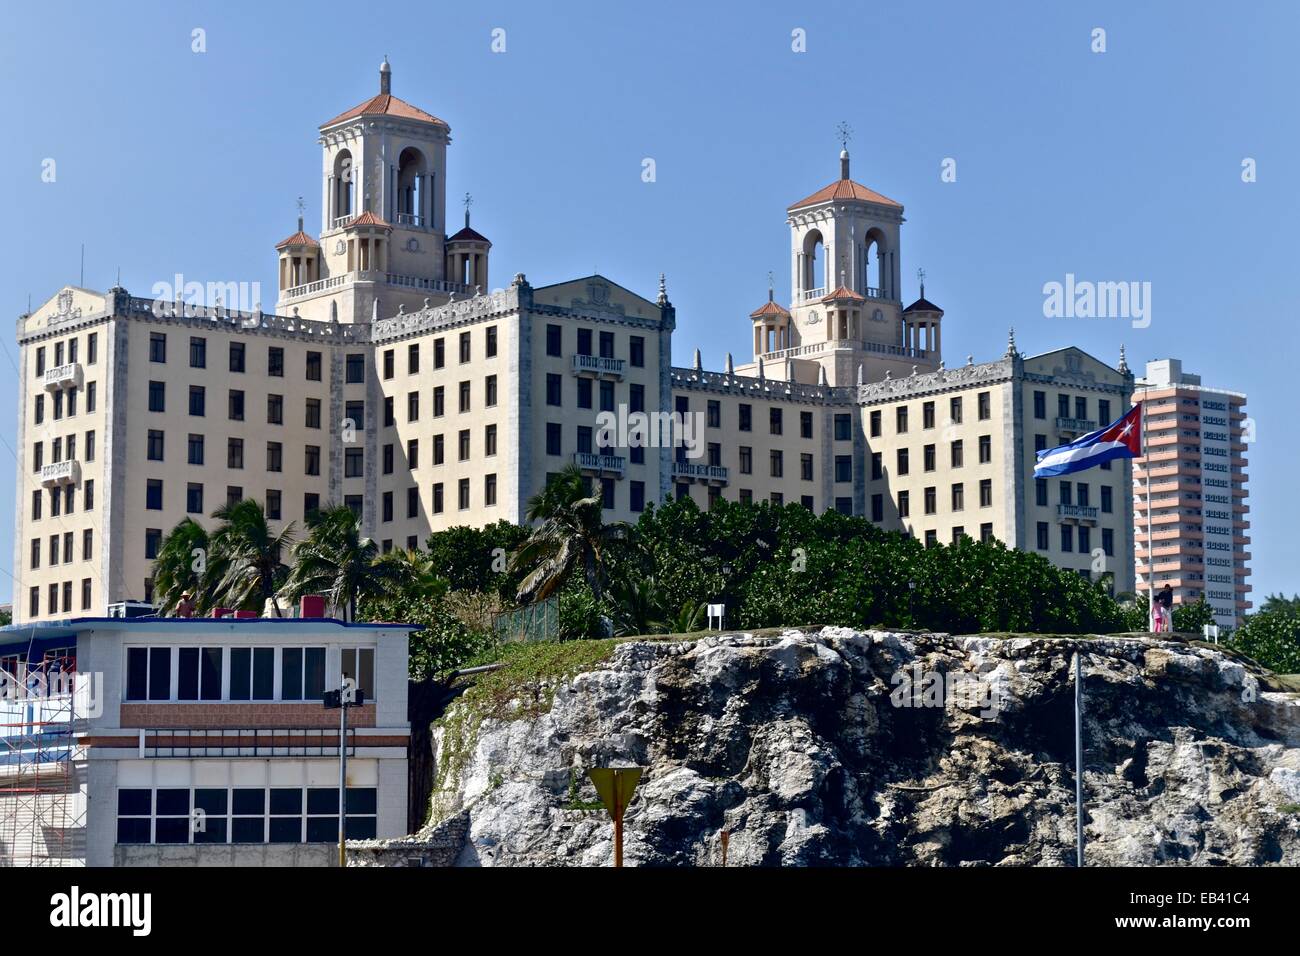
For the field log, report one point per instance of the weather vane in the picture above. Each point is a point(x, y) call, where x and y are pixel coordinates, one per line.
point(845, 133)
point(302, 206)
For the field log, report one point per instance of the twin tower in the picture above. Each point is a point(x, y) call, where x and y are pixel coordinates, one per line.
point(383, 247)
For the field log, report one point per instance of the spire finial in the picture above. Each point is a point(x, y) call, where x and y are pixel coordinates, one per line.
point(301, 206)
point(1011, 342)
point(469, 201)
point(1123, 360)
point(385, 76)
point(844, 133)
point(663, 290)
point(920, 277)
point(771, 285)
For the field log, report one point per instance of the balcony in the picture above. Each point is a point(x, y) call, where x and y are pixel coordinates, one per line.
point(61, 473)
point(598, 365)
point(692, 471)
point(1077, 512)
point(63, 376)
point(1077, 425)
point(410, 219)
point(603, 464)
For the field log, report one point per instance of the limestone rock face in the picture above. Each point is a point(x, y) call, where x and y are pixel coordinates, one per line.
point(839, 747)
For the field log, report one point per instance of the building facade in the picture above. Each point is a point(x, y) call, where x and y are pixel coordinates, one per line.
point(199, 741)
point(1191, 522)
point(391, 379)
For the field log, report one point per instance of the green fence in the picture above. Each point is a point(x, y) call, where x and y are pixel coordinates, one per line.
point(532, 622)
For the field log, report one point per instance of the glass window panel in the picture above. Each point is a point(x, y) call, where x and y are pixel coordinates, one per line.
point(134, 802)
point(241, 666)
point(286, 800)
point(291, 676)
point(248, 801)
point(173, 802)
point(263, 673)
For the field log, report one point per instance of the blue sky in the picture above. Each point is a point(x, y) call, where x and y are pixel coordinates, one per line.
point(1122, 165)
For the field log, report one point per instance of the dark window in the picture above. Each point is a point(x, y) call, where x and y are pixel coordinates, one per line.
point(636, 351)
point(236, 356)
point(157, 347)
point(157, 397)
point(198, 352)
point(553, 340)
point(313, 366)
point(355, 368)
point(236, 405)
point(275, 361)
point(153, 494)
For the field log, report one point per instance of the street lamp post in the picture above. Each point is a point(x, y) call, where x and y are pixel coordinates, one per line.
point(346, 696)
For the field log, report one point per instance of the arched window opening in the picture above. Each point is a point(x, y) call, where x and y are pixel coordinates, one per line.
point(411, 187)
point(344, 191)
point(874, 266)
point(814, 266)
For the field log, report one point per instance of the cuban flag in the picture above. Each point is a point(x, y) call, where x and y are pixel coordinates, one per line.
point(1119, 439)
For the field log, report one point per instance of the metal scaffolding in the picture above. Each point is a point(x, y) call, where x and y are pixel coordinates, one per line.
point(42, 808)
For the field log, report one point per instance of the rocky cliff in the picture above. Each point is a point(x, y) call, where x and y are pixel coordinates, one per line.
point(836, 747)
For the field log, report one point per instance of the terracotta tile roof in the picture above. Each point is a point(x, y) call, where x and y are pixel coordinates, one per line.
point(769, 308)
point(843, 292)
point(386, 104)
point(469, 235)
point(299, 238)
point(845, 189)
point(922, 305)
point(368, 218)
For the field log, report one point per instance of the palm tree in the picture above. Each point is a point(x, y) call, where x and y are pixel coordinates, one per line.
point(247, 556)
point(570, 532)
point(182, 565)
point(335, 561)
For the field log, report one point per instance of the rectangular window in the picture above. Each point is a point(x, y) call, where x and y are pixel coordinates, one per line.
point(1040, 404)
point(985, 406)
point(554, 438)
point(902, 464)
point(636, 351)
point(234, 453)
point(311, 460)
point(412, 502)
point(236, 357)
point(437, 498)
point(927, 415)
point(157, 397)
point(198, 352)
point(198, 400)
point(774, 421)
point(1043, 536)
point(900, 420)
point(275, 361)
point(354, 463)
point(312, 419)
point(274, 456)
point(957, 453)
point(354, 371)
point(157, 347)
point(464, 347)
point(875, 424)
point(554, 343)
point(153, 451)
point(746, 417)
point(313, 371)
point(275, 409)
point(490, 341)
point(986, 492)
point(954, 410)
point(195, 450)
point(462, 445)
point(843, 468)
point(490, 490)
point(194, 498)
point(777, 463)
point(462, 494)
point(153, 494)
point(252, 673)
point(389, 363)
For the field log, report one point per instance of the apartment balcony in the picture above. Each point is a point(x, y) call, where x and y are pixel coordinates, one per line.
point(61, 473)
point(1076, 425)
point(1078, 512)
point(63, 376)
point(598, 365)
point(693, 471)
point(602, 464)
point(410, 219)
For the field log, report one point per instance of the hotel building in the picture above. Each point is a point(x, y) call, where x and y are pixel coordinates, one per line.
point(392, 379)
point(1196, 451)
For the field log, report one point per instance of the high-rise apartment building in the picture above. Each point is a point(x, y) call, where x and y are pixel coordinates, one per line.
point(1196, 540)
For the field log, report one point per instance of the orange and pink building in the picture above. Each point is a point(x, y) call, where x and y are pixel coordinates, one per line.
point(1196, 450)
